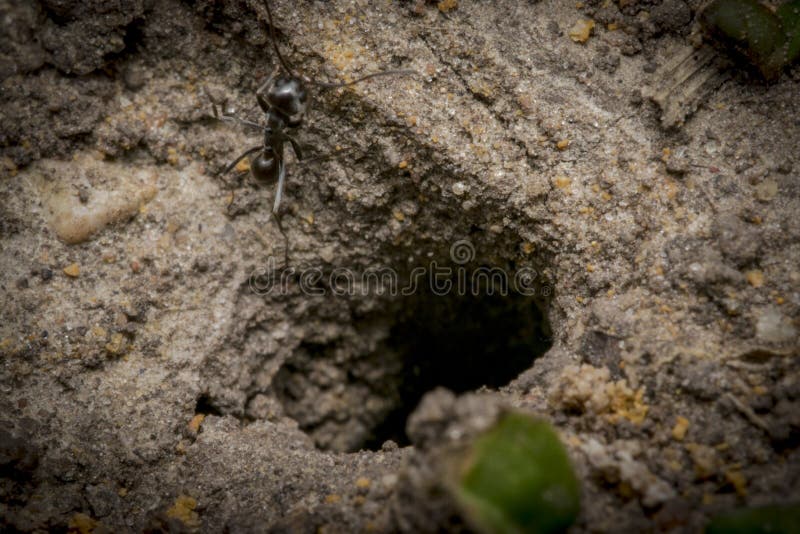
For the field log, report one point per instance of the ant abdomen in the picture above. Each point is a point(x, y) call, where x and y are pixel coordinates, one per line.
point(264, 168)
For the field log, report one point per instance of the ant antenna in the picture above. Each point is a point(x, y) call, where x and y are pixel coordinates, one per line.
point(334, 85)
point(324, 85)
point(274, 40)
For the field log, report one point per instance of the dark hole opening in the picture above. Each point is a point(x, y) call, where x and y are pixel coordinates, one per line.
point(461, 343)
point(205, 405)
point(347, 398)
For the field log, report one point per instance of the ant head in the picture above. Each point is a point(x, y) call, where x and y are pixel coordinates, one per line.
point(264, 167)
point(289, 97)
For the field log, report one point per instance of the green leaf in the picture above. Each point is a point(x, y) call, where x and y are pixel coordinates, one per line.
point(517, 478)
point(748, 25)
point(789, 15)
point(775, 519)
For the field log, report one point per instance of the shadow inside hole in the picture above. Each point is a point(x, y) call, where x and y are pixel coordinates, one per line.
point(461, 343)
point(205, 405)
point(349, 398)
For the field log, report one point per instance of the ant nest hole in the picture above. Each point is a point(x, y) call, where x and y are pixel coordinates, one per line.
point(471, 327)
point(348, 401)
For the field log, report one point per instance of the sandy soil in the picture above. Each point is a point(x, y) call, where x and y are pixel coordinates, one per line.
point(153, 379)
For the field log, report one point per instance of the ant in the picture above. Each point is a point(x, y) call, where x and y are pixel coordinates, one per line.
point(284, 99)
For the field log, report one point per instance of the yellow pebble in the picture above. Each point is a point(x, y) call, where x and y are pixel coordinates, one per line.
point(755, 278)
point(184, 511)
point(447, 5)
point(562, 182)
point(194, 424)
point(82, 524)
point(362, 482)
point(243, 166)
point(116, 344)
point(581, 31)
point(680, 428)
point(72, 270)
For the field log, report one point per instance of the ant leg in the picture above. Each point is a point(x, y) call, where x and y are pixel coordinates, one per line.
point(262, 102)
point(228, 117)
point(233, 118)
point(235, 162)
point(295, 145)
point(233, 191)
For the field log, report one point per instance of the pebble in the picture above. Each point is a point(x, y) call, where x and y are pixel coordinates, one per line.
point(581, 30)
point(772, 327)
point(73, 270)
point(767, 190)
point(680, 428)
point(133, 77)
point(75, 222)
point(755, 278)
point(459, 188)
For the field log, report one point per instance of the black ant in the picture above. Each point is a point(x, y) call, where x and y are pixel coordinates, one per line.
point(284, 99)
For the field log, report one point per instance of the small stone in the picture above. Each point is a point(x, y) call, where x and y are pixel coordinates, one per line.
point(677, 165)
point(389, 445)
point(581, 31)
point(680, 428)
point(562, 182)
point(447, 5)
point(133, 77)
point(172, 156)
point(755, 278)
point(116, 345)
point(184, 511)
point(563, 144)
point(459, 188)
point(243, 166)
point(194, 424)
point(82, 524)
point(327, 253)
point(363, 482)
point(772, 327)
point(72, 270)
point(767, 190)
point(46, 274)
